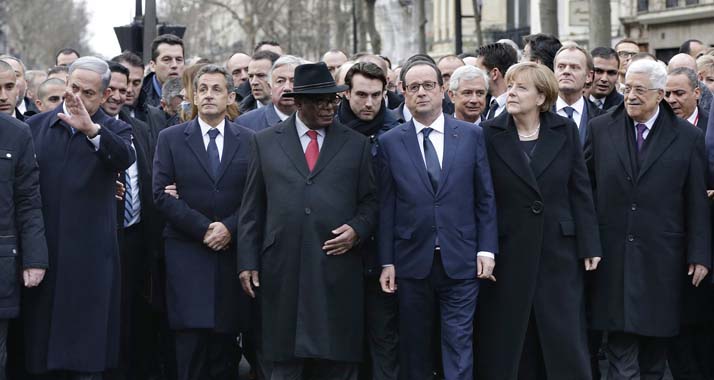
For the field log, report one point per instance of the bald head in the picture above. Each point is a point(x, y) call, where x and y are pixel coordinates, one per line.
point(682, 60)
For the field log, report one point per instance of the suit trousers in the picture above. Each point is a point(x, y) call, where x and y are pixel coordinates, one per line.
point(313, 369)
point(457, 304)
point(532, 364)
point(202, 354)
point(381, 333)
point(690, 353)
point(632, 356)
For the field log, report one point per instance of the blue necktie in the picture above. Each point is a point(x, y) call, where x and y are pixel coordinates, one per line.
point(432, 160)
point(569, 111)
point(131, 208)
point(213, 159)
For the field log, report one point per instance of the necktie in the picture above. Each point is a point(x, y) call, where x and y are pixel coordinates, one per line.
point(569, 111)
point(492, 109)
point(312, 151)
point(214, 159)
point(600, 103)
point(432, 160)
point(130, 204)
point(641, 128)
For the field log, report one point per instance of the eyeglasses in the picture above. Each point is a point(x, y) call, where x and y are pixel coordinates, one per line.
point(639, 90)
point(626, 54)
point(327, 101)
point(428, 86)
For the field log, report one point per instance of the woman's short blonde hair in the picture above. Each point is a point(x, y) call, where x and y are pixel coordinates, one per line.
point(542, 78)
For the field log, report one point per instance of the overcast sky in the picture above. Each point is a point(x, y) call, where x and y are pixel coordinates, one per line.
point(104, 16)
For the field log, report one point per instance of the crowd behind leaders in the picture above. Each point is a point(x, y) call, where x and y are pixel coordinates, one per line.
point(510, 214)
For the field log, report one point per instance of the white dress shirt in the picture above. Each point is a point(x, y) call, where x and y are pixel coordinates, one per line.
point(600, 103)
point(302, 130)
point(578, 106)
point(206, 138)
point(694, 117)
point(437, 140)
point(133, 172)
point(649, 123)
point(281, 115)
point(501, 100)
point(94, 141)
point(407, 114)
point(21, 106)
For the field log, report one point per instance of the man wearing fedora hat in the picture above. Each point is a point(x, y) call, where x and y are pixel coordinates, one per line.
point(309, 199)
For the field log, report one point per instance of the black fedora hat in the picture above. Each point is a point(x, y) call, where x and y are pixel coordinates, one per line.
point(314, 79)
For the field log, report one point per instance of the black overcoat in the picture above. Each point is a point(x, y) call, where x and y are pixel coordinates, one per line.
point(203, 289)
point(546, 227)
point(311, 304)
point(72, 319)
point(654, 220)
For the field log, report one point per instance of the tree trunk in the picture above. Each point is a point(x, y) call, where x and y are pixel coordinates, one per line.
point(361, 27)
point(421, 22)
point(477, 20)
point(600, 34)
point(549, 17)
point(374, 38)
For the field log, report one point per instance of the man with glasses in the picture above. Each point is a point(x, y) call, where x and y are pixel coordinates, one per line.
point(647, 168)
point(438, 233)
point(309, 200)
point(626, 49)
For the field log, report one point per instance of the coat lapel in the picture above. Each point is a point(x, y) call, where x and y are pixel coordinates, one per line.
point(617, 141)
point(411, 144)
point(195, 143)
point(505, 143)
point(230, 147)
point(290, 144)
point(335, 138)
point(660, 141)
point(451, 145)
point(550, 142)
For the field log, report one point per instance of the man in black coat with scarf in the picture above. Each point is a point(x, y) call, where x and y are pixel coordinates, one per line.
point(364, 110)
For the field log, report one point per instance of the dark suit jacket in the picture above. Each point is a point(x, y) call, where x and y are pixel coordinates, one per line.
point(398, 113)
point(259, 119)
point(315, 300)
point(247, 104)
point(22, 228)
point(147, 97)
point(654, 219)
point(158, 120)
point(612, 100)
point(462, 213)
point(203, 288)
point(590, 111)
point(546, 227)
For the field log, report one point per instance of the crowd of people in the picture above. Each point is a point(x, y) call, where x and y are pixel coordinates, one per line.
point(541, 213)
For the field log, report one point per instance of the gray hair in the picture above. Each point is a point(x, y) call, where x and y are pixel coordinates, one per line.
point(95, 65)
point(171, 89)
point(512, 44)
point(284, 60)
point(5, 57)
point(689, 73)
point(467, 72)
point(656, 72)
point(214, 69)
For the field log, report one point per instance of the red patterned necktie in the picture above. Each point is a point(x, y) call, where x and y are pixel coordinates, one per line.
point(312, 150)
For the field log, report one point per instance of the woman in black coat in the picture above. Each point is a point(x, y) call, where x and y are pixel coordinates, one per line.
point(531, 322)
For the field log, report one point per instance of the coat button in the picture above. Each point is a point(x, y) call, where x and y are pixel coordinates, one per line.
point(633, 207)
point(630, 237)
point(309, 182)
point(8, 155)
point(628, 178)
point(537, 207)
point(307, 211)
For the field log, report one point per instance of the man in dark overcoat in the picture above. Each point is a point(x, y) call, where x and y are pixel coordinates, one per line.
point(72, 319)
point(207, 159)
point(309, 198)
point(22, 238)
point(647, 168)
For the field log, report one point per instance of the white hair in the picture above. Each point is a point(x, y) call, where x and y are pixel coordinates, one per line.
point(95, 65)
point(467, 72)
point(656, 71)
point(285, 60)
point(512, 44)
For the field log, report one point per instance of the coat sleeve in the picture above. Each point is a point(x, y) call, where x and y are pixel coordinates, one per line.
point(709, 142)
point(387, 206)
point(485, 199)
point(588, 154)
point(28, 206)
point(251, 217)
point(587, 231)
point(697, 208)
point(366, 218)
point(176, 211)
point(115, 146)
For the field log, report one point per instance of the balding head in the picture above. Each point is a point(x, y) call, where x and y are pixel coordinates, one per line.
point(682, 60)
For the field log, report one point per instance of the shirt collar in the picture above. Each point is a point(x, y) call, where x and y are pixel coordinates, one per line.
point(205, 127)
point(501, 99)
point(693, 117)
point(281, 115)
point(477, 122)
point(437, 125)
point(649, 123)
point(302, 129)
point(596, 100)
point(407, 114)
point(577, 106)
point(21, 105)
